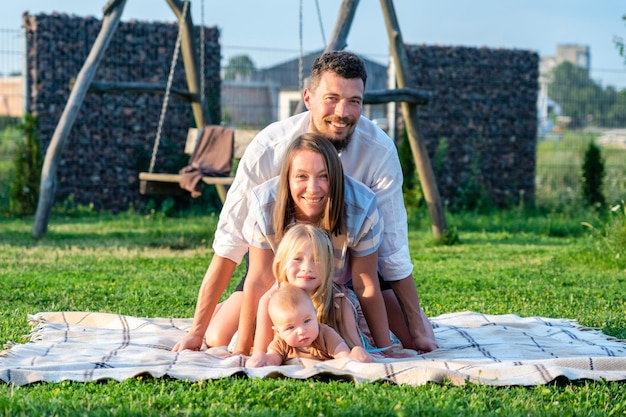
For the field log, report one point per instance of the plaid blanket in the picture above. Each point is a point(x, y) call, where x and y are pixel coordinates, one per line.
point(484, 349)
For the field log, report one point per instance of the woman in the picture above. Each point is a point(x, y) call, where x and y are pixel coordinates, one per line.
point(311, 188)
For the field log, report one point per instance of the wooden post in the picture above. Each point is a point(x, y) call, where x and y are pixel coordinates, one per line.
point(337, 41)
point(190, 62)
point(342, 27)
point(409, 111)
point(57, 143)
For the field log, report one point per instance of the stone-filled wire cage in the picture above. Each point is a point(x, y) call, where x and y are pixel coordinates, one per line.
point(480, 124)
point(112, 138)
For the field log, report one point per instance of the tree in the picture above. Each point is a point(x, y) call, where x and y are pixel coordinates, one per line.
point(577, 94)
point(583, 100)
point(619, 43)
point(240, 67)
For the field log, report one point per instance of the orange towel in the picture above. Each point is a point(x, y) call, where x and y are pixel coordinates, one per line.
point(212, 158)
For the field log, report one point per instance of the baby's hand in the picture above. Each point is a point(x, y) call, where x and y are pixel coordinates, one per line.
point(358, 353)
point(257, 360)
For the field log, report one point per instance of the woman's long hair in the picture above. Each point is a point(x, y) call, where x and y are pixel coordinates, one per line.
point(333, 217)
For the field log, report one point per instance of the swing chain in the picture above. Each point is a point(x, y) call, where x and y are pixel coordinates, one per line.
point(202, 53)
point(168, 87)
point(300, 55)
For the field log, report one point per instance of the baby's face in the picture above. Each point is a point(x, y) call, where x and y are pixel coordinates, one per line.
point(297, 327)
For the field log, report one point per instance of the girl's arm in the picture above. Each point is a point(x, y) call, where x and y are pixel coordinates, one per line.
point(258, 280)
point(263, 333)
point(265, 359)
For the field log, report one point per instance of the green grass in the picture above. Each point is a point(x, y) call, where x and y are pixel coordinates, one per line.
point(558, 170)
point(508, 262)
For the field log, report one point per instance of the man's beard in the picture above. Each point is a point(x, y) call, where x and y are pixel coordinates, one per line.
point(341, 144)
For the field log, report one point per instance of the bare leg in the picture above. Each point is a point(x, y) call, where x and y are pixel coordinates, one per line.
point(225, 320)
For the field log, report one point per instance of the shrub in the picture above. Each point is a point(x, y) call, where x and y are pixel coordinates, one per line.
point(24, 187)
point(593, 176)
point(411, 188)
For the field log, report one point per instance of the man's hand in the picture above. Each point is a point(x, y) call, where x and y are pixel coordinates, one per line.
point(424, 344)
point(188, 342)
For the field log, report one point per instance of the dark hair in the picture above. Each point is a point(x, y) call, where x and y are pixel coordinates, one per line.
point(334, 215)
point(345, 64)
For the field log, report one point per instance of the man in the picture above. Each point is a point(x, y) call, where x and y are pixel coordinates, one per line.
point(334, 99)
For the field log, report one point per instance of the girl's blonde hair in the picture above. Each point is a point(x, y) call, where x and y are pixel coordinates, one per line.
point(297, 237)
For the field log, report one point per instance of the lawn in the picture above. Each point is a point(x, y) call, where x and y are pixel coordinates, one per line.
point(516, 262)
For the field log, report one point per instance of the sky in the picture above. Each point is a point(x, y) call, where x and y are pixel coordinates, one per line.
point(537, 25)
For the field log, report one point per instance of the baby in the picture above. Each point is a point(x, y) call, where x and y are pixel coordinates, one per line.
point(298, 334)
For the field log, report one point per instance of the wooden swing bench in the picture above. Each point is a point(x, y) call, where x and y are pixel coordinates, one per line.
point(169, 184)
point(151, 183)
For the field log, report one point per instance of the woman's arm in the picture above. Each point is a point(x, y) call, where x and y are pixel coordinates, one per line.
point(367, 289)
point(214, 283)
point(258, 280)
point(347, 325)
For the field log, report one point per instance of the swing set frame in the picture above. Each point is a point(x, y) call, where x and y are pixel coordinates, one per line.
point(408, 97)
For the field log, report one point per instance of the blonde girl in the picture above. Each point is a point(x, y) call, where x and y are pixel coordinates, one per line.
point(304, 258)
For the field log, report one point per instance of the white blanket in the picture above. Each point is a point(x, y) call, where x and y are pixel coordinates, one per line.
point(481, 348)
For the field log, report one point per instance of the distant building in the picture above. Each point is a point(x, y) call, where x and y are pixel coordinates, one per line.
point(12, 96)
point(273, 93)
point(578, 55)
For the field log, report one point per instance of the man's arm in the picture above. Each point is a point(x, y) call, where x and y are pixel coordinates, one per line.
point(419, 326)
point(213, 286)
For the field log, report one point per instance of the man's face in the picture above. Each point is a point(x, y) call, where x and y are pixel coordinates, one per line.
point(335, 107)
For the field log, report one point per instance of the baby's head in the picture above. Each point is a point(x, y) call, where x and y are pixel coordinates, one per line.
point(293, 316)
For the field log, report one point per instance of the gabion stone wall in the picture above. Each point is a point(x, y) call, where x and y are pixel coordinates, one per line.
point(112, 138)
point(481, 122)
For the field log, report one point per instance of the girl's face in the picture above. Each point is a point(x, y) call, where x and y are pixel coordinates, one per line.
point(302, 270)
point(297, 327)
point(308, 185)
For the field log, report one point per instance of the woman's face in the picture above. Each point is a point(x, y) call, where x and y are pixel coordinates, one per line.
point(302, 269)
point(308, 185)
